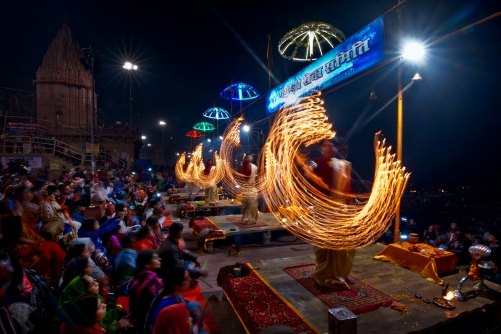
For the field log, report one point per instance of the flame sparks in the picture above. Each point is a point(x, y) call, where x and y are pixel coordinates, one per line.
point(194, 172)
point(449, 296)
point(285, 180)
point(311, 215)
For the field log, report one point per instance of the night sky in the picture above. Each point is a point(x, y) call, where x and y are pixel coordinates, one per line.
point(189, 51)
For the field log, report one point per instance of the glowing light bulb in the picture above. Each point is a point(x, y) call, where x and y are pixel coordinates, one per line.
point(413, 51)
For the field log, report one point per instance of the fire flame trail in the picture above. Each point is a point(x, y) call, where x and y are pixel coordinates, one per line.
point(194, 172)
point(302, 209)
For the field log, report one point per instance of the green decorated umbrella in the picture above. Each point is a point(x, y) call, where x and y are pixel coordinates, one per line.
point(204, 127)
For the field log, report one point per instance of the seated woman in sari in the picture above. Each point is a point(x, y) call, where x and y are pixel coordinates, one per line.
point(77, 266)
point(34, 252)
point(84, 247)
point(51, 209)
point(144, 287)
point(158, 235)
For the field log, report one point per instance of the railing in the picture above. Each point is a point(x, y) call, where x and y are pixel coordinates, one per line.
point(40, 145)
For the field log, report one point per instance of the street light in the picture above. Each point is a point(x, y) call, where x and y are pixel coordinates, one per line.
point(413, 51)
point(130, 67)
point(143, 137)
point(246, 128)
point(149, 144)
point(162, 124)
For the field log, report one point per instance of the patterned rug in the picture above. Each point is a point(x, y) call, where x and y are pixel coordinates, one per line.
point(258, 305)
point(198, 224)
point(361, 298)
point(238, 222)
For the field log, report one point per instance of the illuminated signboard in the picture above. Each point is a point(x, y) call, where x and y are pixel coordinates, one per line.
point(354, 55)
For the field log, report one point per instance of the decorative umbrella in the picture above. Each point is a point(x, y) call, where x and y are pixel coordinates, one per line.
point(193, 134)
point(204, 127)
point(239, 92)
point(216, 113)
point(301, 43)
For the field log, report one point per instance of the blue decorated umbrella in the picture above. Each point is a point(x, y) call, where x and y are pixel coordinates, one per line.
point(239, 91)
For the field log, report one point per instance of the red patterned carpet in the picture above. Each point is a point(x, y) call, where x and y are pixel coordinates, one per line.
point(199, 224)
point(258, 305)
point(238, 222)
point(361, 298)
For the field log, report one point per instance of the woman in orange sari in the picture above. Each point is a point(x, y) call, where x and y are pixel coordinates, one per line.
point(34, 252)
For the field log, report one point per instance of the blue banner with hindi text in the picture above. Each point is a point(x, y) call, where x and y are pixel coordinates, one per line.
point(354, 55)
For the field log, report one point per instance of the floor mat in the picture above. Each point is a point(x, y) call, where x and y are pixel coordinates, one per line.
point(361, 298)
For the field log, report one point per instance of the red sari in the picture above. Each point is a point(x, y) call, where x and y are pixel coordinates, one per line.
point(45, 257)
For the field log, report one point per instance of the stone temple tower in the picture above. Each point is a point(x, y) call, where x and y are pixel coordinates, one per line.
point(63, 87)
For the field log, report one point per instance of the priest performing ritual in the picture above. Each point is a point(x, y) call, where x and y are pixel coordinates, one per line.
point(333, 266)
point(312, 197)
point(211, 188)
point(250, 212)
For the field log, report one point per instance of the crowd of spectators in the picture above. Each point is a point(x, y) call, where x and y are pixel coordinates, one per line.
point(70, 246)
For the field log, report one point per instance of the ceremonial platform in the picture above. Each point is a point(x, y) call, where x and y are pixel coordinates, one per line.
point(375, 286)
point(223, 207)
point(230, 226)
point(266, 223)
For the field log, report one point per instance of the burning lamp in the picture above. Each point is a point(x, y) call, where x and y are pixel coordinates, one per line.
point(477, 252)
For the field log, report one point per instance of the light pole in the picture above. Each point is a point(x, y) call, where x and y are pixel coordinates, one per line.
point(413, 51)
point(130, 67)
point(162, 124)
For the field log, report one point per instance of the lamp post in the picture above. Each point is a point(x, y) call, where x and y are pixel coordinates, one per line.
point(162, 124)
point(413, 51)
point(130, 67)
